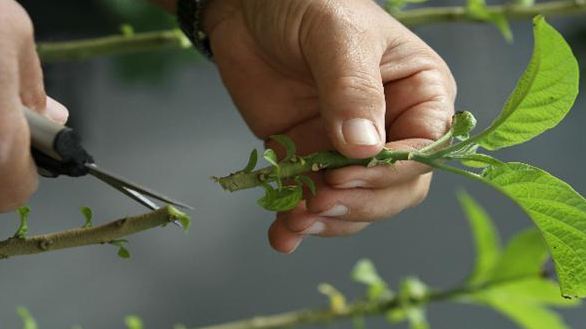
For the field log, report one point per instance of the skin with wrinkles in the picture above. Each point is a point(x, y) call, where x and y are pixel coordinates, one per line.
point(330, 74)
point(304, 68)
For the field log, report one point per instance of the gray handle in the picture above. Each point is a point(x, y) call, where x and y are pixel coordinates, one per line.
point(43, 133)
point(57, 149)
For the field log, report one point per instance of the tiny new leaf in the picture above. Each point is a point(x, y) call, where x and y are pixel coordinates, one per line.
point(252, 160)
point(287, 143)
point(544, 94)
point(133, 322)
point(337, 299)
point(477, 9)
point(23, 213)
point(558, 211)
point(271, 157)
point(486, 239)
point(88, 215)
point(282, 199)
point(28, 322)
point(364, 272)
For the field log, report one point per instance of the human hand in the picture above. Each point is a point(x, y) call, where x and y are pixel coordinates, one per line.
point(338, 75)
point(21, 83)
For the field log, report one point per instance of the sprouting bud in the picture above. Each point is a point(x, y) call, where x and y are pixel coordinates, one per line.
point(462, 124)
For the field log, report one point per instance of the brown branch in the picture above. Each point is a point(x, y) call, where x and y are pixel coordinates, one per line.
point(91, 235)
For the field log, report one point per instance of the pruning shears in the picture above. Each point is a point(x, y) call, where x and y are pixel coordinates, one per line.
point(57, 150)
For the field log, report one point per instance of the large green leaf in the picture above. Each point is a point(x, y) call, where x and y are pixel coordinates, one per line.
point(524, 256)
point(485, 236)
point(543, 96)
point(528, 316)
point(557, 210)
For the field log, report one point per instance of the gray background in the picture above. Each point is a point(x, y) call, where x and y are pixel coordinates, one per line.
point(174, 133)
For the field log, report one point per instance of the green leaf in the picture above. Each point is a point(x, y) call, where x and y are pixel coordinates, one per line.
point(271, 157)
point(462, 124)
point(413, 289)
point(252, 160)
point(122, 251)
point(416, 317)
point(524, 256)
point(133, 322)
point(337, 299)
point(477, 9)
point(309, 183)
point(88, 215)
point(486, 239)
point(558, 211)
point(528, 316)
point(364, 272)
point(287, 143)
point(543, 96)
point(524, 302)
point(283, 199)
point(23, 214)
point(28, 322)
point(477, 160)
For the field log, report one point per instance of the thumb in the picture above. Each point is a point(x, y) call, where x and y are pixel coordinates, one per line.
point(345, 66)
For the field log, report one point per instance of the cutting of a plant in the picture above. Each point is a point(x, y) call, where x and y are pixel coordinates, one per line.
point(350, 107)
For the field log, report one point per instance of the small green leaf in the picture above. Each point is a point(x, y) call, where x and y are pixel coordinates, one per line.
point(558, 211)
point(309, 183)
point(122, 251)
point(127, 30)
point(133, 322)
point(287, 143)
point(486, 239)
point(477, 9)
point(524, 256)
point(283, 199)
point(88, 215)
point(252, 160)
point(23, 213)
point(28, 322)
point(337, 299)
point(478, 160)
point(528, 316)
point(271, 157)
point(364, 272)
point(462, 124)
point(413, 289)
point(416, 317)
point(396, 315)
point(543, 96)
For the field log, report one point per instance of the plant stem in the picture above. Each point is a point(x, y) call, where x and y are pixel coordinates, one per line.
point(112, 45)
point(298, 165)
point(511, 11)
point(173, 39)
point(359, 308)
point(91, 235)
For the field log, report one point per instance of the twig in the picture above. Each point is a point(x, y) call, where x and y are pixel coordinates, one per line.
point(174, 39)
point(357, 309)
point(112, 45)
point(91, 235)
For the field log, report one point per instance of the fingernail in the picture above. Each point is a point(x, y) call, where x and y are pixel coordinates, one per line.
point(315, 229)
point(295, 246)
point(352, 184)
point(336, 211)
point(360, 132)
point(56, 111)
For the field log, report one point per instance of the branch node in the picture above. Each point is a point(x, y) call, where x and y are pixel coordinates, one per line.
point(45, 244)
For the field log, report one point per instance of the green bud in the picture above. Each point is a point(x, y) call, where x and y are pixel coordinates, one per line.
point(462, 124)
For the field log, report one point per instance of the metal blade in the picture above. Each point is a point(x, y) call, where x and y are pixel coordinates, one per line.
point(127, 187)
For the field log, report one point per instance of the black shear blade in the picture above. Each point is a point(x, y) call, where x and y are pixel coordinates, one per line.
point(132, 190)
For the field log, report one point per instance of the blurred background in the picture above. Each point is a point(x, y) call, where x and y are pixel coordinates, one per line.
point(164, 119)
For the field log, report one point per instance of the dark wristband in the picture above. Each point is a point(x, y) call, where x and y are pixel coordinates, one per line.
point(189, 16)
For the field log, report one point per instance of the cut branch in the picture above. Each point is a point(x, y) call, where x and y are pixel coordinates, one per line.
point(91, 235)
point(175, 40)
